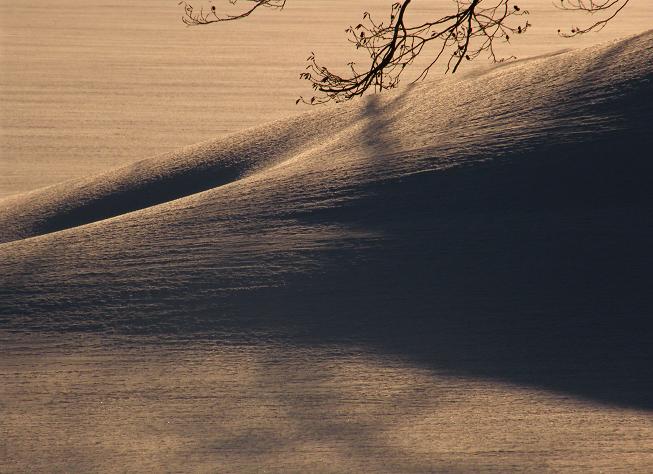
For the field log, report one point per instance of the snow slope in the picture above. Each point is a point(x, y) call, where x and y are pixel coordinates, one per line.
point(497, 225)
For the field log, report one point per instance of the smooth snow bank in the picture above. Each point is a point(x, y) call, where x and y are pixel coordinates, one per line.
point(498, 225)
point(573, 96)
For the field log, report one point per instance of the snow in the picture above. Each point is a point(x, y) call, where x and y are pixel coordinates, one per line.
point(87, 89)
point(487, 237)
point(508, 111)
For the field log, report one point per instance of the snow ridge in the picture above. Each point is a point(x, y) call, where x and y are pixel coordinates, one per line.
point(573, 96)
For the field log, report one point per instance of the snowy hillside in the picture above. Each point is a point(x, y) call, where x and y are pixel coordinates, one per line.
point(497, 226)
point(524, 190)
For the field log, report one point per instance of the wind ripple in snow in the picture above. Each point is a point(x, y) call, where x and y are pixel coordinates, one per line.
point(498, 225)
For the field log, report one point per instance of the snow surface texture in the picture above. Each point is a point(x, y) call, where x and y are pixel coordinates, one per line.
point(498, 225)
point(83, 96)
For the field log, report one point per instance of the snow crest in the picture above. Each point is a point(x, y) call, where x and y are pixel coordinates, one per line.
point(567, 98)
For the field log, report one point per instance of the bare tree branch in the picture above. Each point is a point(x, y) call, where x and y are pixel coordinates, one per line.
point(470, 31)
point(612, 7)
point(464, 35)
point(193, 17)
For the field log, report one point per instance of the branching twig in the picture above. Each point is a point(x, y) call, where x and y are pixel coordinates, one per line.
point(612, 7)
point(470, 31)
point(464, 35)
point(193, 17)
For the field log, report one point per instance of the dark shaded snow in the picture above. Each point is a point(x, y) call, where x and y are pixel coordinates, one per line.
point(498, 226)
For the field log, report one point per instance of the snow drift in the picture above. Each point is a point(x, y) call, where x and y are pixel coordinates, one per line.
point(499, 225)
